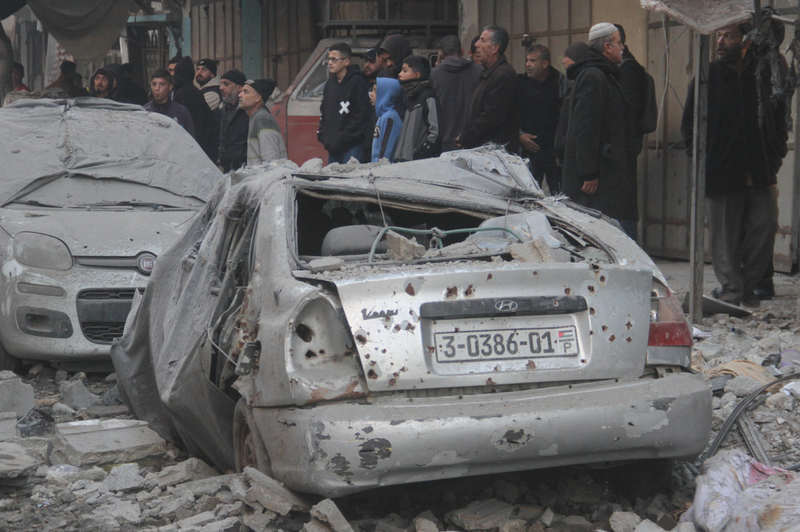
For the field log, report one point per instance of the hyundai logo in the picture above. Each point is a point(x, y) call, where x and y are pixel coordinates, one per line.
point(506, 306)
point(147, 263)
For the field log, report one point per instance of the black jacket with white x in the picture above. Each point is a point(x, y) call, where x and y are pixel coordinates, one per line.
point(345, 112)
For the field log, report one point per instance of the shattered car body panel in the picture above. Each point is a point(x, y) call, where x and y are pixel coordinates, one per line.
point(492, 330)
point(91, 192)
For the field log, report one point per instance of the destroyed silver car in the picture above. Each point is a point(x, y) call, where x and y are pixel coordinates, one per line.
point(355, 326)
point(91, 192)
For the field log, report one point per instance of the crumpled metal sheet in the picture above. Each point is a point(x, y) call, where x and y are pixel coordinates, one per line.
point(44, 140)
point(704, 16)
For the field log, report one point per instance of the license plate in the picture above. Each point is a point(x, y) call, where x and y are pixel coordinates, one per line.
point(500, 344)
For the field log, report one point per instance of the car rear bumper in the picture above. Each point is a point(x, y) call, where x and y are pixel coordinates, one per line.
point(341, 448)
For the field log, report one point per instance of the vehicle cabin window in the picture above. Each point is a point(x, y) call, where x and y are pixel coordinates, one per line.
point(317, 216)
point(311, 87)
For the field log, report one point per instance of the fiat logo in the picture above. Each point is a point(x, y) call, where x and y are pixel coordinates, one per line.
point(506, 306)
point(147, 263)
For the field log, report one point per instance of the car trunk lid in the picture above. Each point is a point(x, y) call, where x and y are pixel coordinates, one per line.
point(487, 323)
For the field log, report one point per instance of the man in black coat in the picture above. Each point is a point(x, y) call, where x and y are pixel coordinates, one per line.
point(345, 110)
point(186, 94)
point(234, 122)
point(454, 82)
point(601, 133)
point(493, 115)
point(542, 89)
point(745, 147)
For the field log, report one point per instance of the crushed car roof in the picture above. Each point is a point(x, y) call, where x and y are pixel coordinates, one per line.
point(45, 140)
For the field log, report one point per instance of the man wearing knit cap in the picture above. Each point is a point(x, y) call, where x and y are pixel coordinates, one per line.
point(574, 53)
point(233, 123)
point(600, 141)
point(205, 79)
point(264, 139)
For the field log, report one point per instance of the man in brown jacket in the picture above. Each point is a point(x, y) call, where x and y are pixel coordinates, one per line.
point(493, 116)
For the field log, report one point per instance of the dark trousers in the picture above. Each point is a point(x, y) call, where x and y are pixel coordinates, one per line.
point(742, 227)
point(544, 166)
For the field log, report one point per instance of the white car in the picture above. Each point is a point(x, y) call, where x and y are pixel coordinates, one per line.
point(367, 325)
point(91, 192)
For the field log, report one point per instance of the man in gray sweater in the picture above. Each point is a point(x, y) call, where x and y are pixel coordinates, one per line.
point(264, 139)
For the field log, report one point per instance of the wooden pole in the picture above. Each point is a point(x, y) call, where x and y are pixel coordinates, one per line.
point(697, 215)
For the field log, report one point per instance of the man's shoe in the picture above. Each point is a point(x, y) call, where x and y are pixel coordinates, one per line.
point(751, 301)
point(764, 294)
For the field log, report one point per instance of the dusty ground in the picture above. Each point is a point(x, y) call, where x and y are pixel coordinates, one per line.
point(564, 499)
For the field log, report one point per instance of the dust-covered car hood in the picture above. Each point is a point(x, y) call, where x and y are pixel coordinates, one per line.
point(46, 140)
point(100, 234)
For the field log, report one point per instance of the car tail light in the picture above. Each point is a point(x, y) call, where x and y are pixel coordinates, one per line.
point(668, 323)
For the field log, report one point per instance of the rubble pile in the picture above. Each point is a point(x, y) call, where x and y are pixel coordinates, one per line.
point(73, 459)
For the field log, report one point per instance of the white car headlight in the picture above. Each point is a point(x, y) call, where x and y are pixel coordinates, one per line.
point(42, 251)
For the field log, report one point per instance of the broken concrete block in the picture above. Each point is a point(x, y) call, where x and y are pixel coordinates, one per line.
point(196, 520)
point(315, 525)
point(648, 526)
point(204, 486)
point(742, 385)
point(15, 395)
point(514, 525)
point(685, 527)
point(120, 510)
point(8, 426)
point(191, 469)
point(230, 524)
point(425, 525)
point(37, 448)
point(271, 494)
point(258, 521)
point(15, 462)
point(61, 375)
point(125, 477)
point(107, 411)
point(326, 264)
point(328, 512)
point(75, 395)
point(547, 517)
point(624, 521)
point(66, 474)
point(105, 441)
point(402, 248)
point(528, 512)
point(482, 515)
point(35, 369)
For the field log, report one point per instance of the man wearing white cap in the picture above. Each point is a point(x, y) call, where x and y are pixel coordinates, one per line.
point(601, 133)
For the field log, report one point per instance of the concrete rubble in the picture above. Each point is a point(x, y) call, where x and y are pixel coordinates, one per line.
point(69, 469)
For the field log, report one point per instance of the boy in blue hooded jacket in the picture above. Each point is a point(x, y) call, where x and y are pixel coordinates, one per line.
point(387, 130)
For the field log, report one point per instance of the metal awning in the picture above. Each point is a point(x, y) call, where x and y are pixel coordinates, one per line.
point(703, 16)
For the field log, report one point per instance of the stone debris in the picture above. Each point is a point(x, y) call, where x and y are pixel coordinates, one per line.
point(105, 442)
point(271, 494)
point(482, 515)
point(8, 426)
point(624, 521)
point(75, 395)
point(15, 395)
point(14, 462)
point(191, 469)
point(328, 512)
point(124, 477)
point(402, 248)
point(326, 264)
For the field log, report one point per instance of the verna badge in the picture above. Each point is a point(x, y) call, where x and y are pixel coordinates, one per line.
point(506, 306)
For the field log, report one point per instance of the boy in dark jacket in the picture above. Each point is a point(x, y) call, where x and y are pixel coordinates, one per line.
point(345, 111)
point(421, 135)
